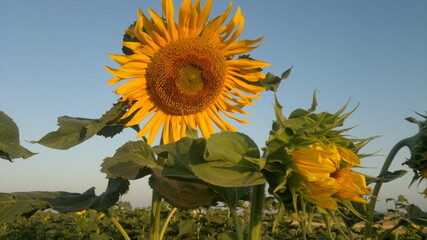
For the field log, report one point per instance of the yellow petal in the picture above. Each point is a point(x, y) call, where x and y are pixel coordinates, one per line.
point(239, 22)
point(165, 134)
point(168, 10)
point(114, 80)
point(183, 18)
point(123, 59)
point(130, 86)
point(126, 73)
point(204, 15)
point(349, 156)
point(147, 24)
point(247, 63)
point(134, 46)
point(211, 28)
point(159, 24)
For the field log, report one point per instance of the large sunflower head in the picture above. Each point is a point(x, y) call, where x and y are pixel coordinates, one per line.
point(184, 73)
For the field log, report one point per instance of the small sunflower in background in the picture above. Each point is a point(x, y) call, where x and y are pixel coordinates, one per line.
point(418, 147)
point(185, 73)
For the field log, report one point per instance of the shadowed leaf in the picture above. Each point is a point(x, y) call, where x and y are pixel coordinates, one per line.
point(186, 195)
point(131, 161)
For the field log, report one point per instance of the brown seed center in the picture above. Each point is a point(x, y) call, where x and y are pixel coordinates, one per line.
point(186, 76)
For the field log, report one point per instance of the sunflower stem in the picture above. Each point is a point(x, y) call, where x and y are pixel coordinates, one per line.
point(156, 206)
point(118, 226)
point(374, 197)
point(256, 211)
point(165, 225)
point(237, 224)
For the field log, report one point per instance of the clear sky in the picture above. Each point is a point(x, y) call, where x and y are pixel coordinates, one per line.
point(52, 57)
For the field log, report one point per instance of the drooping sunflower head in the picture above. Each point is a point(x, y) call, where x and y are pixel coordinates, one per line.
point(326, 176)
point(310, 161)
point(184, 73)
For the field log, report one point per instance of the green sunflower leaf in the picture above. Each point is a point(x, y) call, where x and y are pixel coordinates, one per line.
point(10, 148)
point(390, 176)
point(131, 161)
point(73, 131)
point(225, 161)
point(178, 156)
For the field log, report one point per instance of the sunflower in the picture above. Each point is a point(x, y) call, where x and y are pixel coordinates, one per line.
point(185, 74)
point(326, 176)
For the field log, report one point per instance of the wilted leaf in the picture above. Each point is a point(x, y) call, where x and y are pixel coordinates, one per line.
point(73, 131)
point(74, 202)
point(10, 148)
point(131, 161)
point(186, 195)
point(13, 205)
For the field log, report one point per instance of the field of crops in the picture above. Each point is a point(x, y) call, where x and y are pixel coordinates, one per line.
point(202, 223)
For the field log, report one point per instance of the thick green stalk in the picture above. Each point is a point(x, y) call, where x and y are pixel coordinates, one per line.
point(257, 207)
point(156, 206)
point(237, 224)
point(375, 192)
point(118, 226)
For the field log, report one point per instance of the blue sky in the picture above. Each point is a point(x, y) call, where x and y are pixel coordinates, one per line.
point(52, 57)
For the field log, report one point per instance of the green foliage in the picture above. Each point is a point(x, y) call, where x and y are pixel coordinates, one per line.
point(272, 82)
point(13, 205)
point(226, 159)
point(389, 176)
point(131, 161)
point(73, 131)
point(10, 148)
